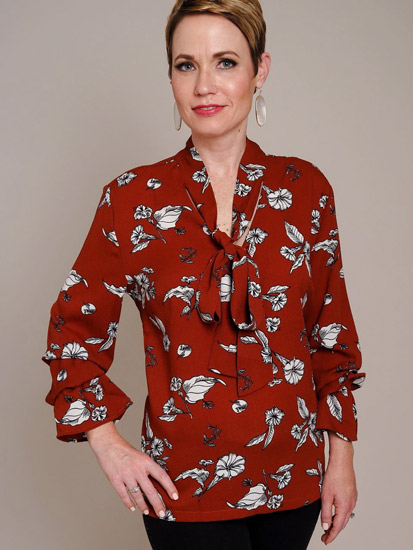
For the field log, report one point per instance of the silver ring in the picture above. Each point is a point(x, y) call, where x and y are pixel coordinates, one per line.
point(352, 514)
point(136, 489)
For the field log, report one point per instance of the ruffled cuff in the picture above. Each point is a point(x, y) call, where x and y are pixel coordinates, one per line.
point(87, 406)
point(337, 412)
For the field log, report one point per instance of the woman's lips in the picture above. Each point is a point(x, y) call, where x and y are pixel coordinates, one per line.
point(208, 110)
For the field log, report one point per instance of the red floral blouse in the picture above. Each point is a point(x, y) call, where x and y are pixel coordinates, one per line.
point(250, 345)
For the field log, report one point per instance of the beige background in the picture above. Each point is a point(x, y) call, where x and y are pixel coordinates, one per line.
point(84, 97)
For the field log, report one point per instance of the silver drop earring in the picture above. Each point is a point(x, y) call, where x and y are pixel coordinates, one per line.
point(177, 118)
point(260, 110)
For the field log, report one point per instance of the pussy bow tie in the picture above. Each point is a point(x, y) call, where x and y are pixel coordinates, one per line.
point(231, 274)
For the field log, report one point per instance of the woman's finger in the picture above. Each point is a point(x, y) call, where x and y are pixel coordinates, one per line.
point(163, 478)
point(152, 495)
point(137, 497)
point(120, 488)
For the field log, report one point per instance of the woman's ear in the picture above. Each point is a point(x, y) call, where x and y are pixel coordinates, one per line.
point(263, 70)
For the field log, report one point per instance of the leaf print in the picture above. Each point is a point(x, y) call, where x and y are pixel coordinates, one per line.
point(73, 279)
point(226, 287)
point(158, 323)
point(74, 350)
point(61, 375)
point(302, 407)
point(330, 333)
point(323, 201)
point(76, 414)
point(273, 417)
point(153, 183)
point(184, 293)
point(196, 387)
point(255, 497)
point(293, 233)
point(118, 290)
point(111, 331)
point(111, 236)
point(231, 348)
point(167, 216)
point(195, 155)
point(329, 245)
point(125, 178)
point(297, 263)
point(94, 340)
point(335, 407)
point(256, 440)
point(106, 199)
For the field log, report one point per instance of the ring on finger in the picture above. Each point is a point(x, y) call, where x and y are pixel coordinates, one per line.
point(135, 489)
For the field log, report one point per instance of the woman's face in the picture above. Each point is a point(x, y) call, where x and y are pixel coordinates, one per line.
point(212, 66)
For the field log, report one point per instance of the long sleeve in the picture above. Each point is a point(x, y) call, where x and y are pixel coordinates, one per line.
point(82, 333)
point(334, 343)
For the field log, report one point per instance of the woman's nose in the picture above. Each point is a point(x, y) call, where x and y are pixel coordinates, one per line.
point(205, 82)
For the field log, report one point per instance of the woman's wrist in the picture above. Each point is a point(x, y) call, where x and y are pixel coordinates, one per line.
point(339, 450)
point(102, 434)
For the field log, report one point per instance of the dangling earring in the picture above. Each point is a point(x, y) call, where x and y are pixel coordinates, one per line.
point(260, 110)
point(177, 118)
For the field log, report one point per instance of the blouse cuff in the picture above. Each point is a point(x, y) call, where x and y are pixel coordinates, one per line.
point(337, 412)
point(92, 404)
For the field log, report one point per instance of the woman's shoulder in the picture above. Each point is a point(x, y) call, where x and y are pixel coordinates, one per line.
point(146, 176)
point(300, 170)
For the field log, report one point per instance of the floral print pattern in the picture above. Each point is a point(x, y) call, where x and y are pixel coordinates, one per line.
point(250, 347)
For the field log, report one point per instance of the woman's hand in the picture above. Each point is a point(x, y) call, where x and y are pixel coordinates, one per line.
point(339, 488)
point(125, 467)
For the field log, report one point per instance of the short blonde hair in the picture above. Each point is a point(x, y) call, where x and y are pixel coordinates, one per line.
point(247, 15)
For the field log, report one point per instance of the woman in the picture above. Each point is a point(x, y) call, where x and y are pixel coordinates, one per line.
point(233, 259)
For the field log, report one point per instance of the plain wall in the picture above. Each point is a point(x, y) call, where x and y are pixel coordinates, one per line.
point(84, 97)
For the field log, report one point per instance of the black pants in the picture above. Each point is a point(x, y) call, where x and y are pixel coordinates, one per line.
point(278, 530)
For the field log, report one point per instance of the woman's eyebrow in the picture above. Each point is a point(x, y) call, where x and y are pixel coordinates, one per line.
point(218, 54)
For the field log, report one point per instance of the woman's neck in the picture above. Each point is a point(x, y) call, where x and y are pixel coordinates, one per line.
point(221, 155)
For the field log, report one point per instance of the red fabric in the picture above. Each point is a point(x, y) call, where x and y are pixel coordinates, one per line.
point(251, 350)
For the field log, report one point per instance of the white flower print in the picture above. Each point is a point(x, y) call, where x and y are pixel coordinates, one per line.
point(315, 221)
point(99, 413)
point(142, 212)
point(74, 350)
point(242, 189)
point(125, 178)
point(253, 171)
point(255, 236)
point(300, 432)
point(272, 323)
point(273, 418)
point(280, 199)
point(227, 467)
point(276, 296)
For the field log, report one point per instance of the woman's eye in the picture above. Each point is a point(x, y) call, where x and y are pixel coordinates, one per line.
point(228, 63)
point(184, 66)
